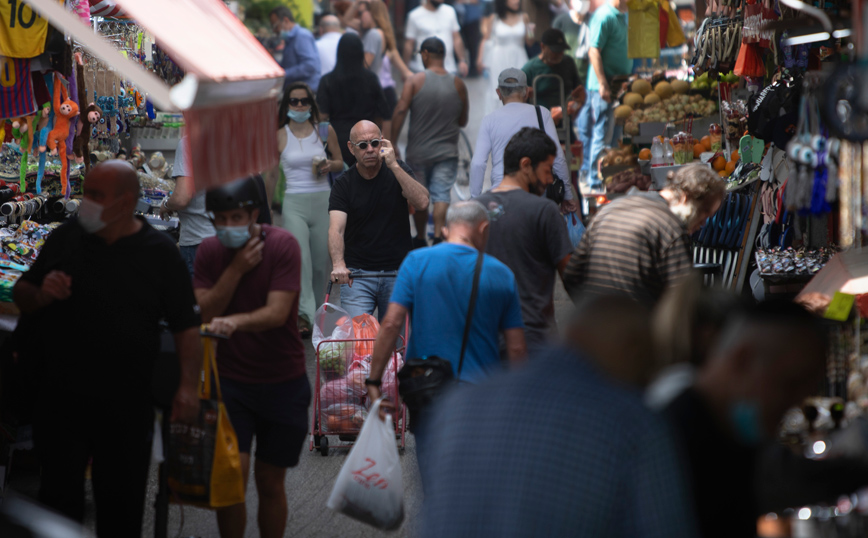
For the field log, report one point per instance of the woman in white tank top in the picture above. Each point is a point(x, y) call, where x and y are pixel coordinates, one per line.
point(306, 160)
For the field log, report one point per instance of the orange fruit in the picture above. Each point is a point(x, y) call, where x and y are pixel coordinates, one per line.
point(719, 163)
point(722, 173)
point(697, 150)
point(645, 154)
point(730, 167)
point(706, 142)
point(734, 156)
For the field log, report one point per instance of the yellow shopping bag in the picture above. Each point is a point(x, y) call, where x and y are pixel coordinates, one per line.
point(643, 23)
point(203, 458)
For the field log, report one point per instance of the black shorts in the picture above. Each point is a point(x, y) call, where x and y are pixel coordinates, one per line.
point(275, 413)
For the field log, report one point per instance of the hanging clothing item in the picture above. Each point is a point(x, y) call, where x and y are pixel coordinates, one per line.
point(674, 32)
point(22, 31)
point(16, 89)
point(643, 23)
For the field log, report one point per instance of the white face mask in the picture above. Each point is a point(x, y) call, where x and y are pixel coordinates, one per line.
point(90, 216)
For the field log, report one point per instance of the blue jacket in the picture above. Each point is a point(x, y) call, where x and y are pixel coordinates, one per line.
point(300, 57)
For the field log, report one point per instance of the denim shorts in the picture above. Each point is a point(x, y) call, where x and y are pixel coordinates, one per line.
point(275, 413)
point(438, 178)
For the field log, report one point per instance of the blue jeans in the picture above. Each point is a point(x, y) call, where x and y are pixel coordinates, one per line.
point(367, 294)
point(189, 256)
point(596, 127)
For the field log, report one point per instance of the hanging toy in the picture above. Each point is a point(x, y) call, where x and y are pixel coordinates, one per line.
point(46, 123)
point(66, 109)
point(90, 117)
point(22, 129)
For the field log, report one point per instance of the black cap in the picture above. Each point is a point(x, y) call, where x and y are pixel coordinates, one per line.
point(555, 40)
point(434, 45)
point(238, 194)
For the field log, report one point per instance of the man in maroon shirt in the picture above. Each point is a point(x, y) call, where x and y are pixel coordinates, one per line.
point(247, 280)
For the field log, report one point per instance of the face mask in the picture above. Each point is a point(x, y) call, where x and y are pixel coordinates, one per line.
point(299, 117)
point(233, 236)
point(90, 216)
point(746, 421)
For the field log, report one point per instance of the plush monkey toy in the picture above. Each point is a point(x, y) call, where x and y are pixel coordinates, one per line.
point(65, 109)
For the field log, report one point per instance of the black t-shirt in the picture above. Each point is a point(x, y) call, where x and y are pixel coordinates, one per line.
point(104, 339)
point(377, 236)
point(721, 471)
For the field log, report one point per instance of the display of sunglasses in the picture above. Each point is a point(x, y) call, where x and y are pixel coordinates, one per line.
point(363, 145)
point(304, 101)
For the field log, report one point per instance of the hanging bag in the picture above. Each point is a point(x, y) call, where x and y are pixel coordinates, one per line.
point(556, 191)
point(204, 461)
point(369, 487)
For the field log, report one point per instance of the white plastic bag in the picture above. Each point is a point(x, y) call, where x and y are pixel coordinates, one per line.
point(369, 487)
point(334, 321)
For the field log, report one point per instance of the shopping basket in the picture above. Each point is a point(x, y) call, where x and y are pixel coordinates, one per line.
point(340, 400)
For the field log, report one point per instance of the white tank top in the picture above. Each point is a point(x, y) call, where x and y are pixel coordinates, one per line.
point(296, 160)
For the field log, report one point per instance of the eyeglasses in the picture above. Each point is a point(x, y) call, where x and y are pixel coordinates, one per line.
point(363, 145)
point(304, 101)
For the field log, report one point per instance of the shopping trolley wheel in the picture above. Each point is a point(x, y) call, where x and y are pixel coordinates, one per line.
point(324, 446)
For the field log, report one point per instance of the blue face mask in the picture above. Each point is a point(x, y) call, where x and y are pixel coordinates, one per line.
point(747, 422)
point(233, 236)
point(297, 116)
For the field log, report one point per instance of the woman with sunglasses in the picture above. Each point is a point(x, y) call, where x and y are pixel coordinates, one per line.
point(351, 93)
point(308, 152)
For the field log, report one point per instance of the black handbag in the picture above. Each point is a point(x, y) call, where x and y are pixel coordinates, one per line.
point(422, 380)
point(557, 190)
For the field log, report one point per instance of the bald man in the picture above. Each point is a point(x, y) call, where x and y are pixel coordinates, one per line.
point(101, 285)
point(369, 220)
point(330, 33)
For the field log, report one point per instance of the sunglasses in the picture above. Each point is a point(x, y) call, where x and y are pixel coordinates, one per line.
point(363, 145)
point(304, 101)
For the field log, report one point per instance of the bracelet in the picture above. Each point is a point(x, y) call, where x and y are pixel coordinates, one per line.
point(373, 382)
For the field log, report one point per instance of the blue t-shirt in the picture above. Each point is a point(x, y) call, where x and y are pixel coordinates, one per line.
point(608, 33)
point(434, 285)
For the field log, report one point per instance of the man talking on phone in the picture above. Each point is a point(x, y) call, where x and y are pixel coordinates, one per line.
point(247, 280)
point(369, 224)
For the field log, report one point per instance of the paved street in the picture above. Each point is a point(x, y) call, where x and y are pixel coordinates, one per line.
point(309, 484)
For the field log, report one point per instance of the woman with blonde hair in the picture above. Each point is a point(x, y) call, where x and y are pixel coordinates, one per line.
point(371, 19)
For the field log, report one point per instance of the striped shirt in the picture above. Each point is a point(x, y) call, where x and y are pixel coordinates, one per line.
point(635, 246)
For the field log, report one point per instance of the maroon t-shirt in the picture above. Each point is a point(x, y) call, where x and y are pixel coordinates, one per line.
point(271, 356)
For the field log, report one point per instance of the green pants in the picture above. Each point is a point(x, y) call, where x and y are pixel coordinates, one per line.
point(306, 216)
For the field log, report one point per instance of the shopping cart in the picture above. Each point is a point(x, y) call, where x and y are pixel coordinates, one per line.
point(340, 402)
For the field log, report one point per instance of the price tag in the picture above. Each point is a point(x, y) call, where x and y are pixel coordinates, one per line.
point(839, 308)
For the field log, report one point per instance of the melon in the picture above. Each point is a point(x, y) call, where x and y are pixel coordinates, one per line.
point(680, 86)
point(663, 89)
point(632, 100)
point(652, 99)
point(641, 86)
point(623, 112)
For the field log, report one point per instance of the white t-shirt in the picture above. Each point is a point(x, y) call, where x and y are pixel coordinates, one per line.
point(423, 23)
point(328, 51)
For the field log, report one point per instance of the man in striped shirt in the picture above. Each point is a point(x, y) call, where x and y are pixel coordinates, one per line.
point(639, 245)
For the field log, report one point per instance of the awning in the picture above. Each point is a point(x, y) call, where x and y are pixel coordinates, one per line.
point(229, 94)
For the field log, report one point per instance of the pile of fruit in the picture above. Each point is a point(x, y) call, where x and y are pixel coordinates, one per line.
point(666, 102)
point(722, 166)
point(618, 156)
point(704, 82)
point(627, 179)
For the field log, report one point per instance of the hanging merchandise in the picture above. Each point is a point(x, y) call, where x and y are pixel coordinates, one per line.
point(65, 110)
point(24, 36)
point(643, 23)
point(16, 88)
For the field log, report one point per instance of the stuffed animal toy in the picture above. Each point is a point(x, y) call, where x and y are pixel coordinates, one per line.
point(22, 129)
point(89, 118)
point(64, 109)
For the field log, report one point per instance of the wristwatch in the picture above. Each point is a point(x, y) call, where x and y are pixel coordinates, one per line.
point(373, 382)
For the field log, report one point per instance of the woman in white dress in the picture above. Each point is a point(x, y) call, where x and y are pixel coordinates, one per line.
point(504, 34)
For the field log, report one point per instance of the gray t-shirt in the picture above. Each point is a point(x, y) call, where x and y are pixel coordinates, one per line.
point(530, 236)
point(195, 226)
point(373, 43)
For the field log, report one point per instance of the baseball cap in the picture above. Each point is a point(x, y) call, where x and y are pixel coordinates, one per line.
point(512, 73)
point(433, 45)
point(555, 40)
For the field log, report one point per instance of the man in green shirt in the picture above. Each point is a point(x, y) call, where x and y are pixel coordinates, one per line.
point(608, 57)
point(552, 61)
point(574, 25)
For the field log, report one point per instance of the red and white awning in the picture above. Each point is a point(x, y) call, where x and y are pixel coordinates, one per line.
point(229, 94)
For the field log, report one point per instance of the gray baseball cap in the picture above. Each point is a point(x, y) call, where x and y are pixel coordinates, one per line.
point(512, 73)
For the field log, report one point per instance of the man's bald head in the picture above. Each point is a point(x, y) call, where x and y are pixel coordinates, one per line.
point(330, 23)
point(365, 130)
point(120, 174)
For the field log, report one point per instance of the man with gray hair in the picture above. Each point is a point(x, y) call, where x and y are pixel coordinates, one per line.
point(499, 126)
point(434, 287)
point(330, 33)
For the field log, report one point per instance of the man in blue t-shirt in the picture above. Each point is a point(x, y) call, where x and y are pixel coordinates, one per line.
point(434, 286)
